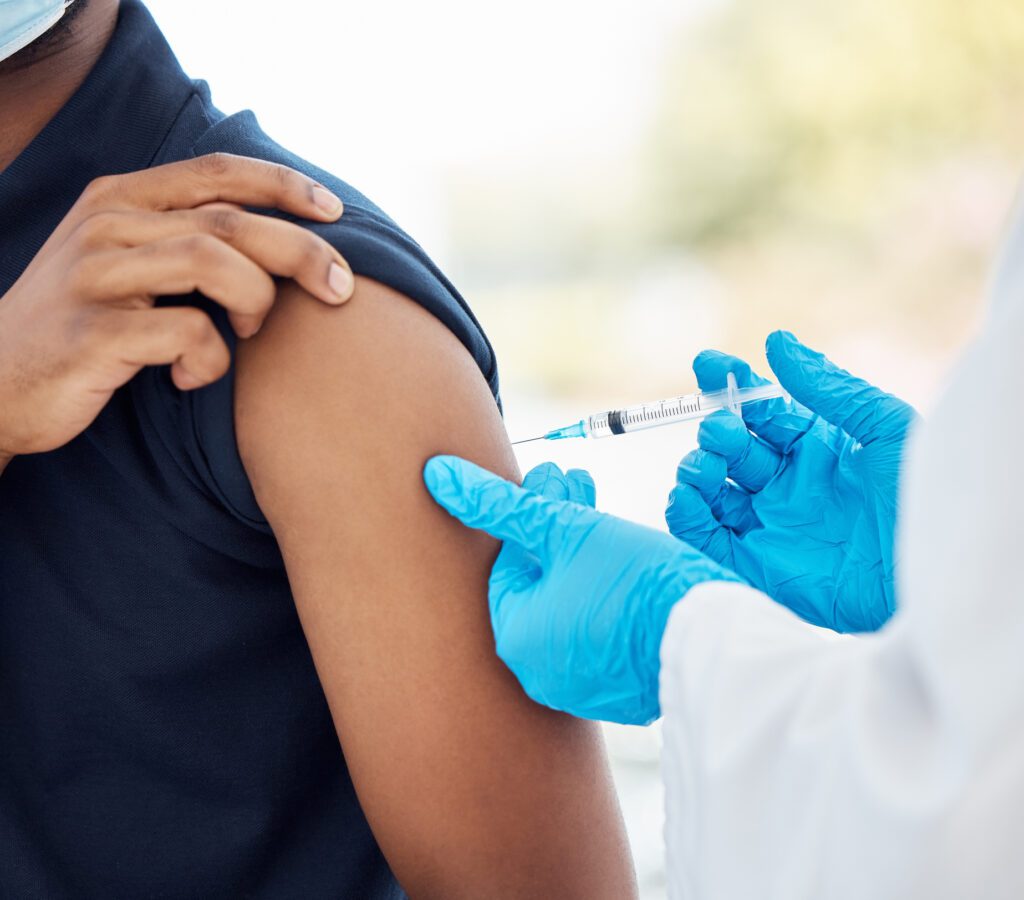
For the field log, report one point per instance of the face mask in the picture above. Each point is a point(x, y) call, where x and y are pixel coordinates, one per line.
point(22, 21)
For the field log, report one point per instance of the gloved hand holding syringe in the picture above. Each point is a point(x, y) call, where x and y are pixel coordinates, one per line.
point(688, 407)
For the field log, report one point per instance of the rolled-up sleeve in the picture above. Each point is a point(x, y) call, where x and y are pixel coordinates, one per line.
point(202, 421)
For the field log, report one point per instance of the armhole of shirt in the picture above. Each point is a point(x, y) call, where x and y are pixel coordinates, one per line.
point(375, 248)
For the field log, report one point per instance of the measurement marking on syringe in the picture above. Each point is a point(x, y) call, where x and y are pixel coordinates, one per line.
point(663, 412)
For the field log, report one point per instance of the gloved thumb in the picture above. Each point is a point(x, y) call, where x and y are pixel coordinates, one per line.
point(483, 500)
point(862, 410)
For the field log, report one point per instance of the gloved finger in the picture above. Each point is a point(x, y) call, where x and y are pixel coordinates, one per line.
point(862, 410)
point(547, 480)
point(483, 500)
point(707, 472)
point(690, 519)
point(776, 421)
point(751, 462)
point(516, 568)
point(582, 489)
point(712, 366)
point(575, 485)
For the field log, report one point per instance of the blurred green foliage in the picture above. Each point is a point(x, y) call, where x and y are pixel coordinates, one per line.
point(841, 169)
point(805, 112)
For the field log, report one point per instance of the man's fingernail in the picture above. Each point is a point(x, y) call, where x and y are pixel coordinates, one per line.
point(341, 282)
point(326, 201)
point(187, 380)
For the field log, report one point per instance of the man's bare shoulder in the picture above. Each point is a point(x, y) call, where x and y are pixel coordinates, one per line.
point(381, 365)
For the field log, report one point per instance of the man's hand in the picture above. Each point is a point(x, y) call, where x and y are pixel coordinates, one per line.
point(81, 322)
point(579, 599)
point(803, 504)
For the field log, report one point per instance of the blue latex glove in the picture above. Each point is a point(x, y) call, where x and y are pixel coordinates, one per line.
point(579, 600)
point(808, 512)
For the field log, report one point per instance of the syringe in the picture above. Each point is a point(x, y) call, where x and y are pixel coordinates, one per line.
point(663, 412)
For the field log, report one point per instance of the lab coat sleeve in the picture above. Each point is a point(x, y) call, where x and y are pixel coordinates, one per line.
point(803, 764)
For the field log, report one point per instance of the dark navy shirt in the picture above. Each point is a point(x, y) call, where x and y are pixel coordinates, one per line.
point(163, 732)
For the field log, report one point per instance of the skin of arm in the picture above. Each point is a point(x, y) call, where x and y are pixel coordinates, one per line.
point(471, 789)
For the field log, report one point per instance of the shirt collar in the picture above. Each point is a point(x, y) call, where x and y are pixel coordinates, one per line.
point(114, 123)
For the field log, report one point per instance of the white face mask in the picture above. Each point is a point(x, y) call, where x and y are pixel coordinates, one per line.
point(22, 21)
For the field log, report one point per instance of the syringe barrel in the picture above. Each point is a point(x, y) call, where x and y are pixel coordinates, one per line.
point(675, 409)
point(644, 416)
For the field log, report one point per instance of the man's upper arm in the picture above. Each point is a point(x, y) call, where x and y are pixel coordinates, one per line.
point(471, 789)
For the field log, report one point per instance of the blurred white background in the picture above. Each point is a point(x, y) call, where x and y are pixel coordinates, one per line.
point(616, 185)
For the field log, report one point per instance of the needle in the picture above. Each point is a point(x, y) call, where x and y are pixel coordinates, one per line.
point(528, 440)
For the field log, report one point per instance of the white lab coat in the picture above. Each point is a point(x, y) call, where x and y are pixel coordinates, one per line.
point(803, 764)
